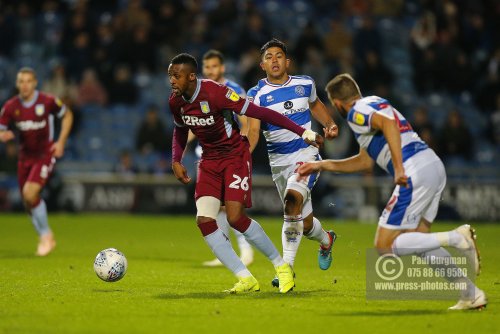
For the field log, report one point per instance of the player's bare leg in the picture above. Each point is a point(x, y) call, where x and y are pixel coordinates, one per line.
point(420, 241)
point(256, 236)
point(37, 209)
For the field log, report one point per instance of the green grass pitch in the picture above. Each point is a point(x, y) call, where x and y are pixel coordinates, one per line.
point(166, 290)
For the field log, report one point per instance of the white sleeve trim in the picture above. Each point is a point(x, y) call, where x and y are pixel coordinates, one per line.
point(245, 107)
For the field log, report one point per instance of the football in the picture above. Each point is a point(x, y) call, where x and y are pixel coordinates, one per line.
point(110, 265)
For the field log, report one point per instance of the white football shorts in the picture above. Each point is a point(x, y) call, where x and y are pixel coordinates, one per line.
point(426, 182)
point(286, 177)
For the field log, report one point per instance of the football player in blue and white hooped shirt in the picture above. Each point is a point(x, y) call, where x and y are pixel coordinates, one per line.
point(295, 97)
point(386, 137)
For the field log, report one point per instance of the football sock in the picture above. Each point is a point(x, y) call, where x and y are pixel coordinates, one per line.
point(293, 228)
point(406, 242)
point(317, 233)
point(221, 247)
point(39, 218)
point(256, 236)
point(222, 222)
point(441, 258)
point(242, 242)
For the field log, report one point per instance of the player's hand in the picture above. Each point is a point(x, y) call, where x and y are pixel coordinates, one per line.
point(332, 131)
point(308, 168)
point(180, 172)
point(57, 149)
point(312, 138)
point(400, 178)
point(7, 135)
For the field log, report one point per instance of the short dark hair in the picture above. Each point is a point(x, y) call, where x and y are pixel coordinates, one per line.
point(27, 69)
point(214, 54)
point(343, 87)
point(273, 43)
point(185, 58)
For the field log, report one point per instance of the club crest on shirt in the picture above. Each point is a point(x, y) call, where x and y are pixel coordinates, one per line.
point(39, 109)
point(204, 107)
point(17, 112)
point(300, 91)
point(232, 95)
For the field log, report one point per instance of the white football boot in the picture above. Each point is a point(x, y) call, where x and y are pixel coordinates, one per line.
point(46, 244)
point(470, 245)
point(478, 303)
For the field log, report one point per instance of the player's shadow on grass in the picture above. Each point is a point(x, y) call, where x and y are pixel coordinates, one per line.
point(17, 255)
point(387, 313)
point(107, 290)
point(253, 295)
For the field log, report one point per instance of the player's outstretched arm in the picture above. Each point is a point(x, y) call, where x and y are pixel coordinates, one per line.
point(390, 129)
point(321, 114)
point(275, 118)
point(357, 163)
point(6, 135)
point(66, 124)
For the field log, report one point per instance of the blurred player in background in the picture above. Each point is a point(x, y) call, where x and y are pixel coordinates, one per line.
point(294, 97)
point(32, 113)
point(225, 169)
point(385, 136)
point(213, 68)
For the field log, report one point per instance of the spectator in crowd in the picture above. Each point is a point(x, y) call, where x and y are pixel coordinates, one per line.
point(123, 89)
point(90, 90)
point(59, 84)
point(456, 141)
point(152, 134)
point(126, 165)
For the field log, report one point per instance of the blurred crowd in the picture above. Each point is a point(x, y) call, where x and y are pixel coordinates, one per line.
point(438, 62)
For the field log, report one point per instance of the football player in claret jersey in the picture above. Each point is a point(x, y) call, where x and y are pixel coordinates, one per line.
point(293, 96)
point(213, 68)
point(32, 113)
point(386, 137)
point(225, 169)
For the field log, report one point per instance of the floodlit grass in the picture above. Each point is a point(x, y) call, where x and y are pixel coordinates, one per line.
point(166, 290)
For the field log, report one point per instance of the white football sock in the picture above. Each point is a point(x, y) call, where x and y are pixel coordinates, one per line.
point(317, 233)
point(223, 250)
point(291, 235)
point(222, 222)
point(256, 236)
point(431, 256)
point(406, 242)
point(39, 218)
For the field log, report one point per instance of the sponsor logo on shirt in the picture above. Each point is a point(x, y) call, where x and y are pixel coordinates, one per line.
point(288, 105)
point(232, 95)
point(198, 121)
point(30, 125)
point(205, 108)
point(359, 118)
point(39, 109)
point(269, 98)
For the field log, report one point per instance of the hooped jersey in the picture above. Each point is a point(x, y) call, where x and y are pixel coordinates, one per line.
point(373, 141)
point(290, 99)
